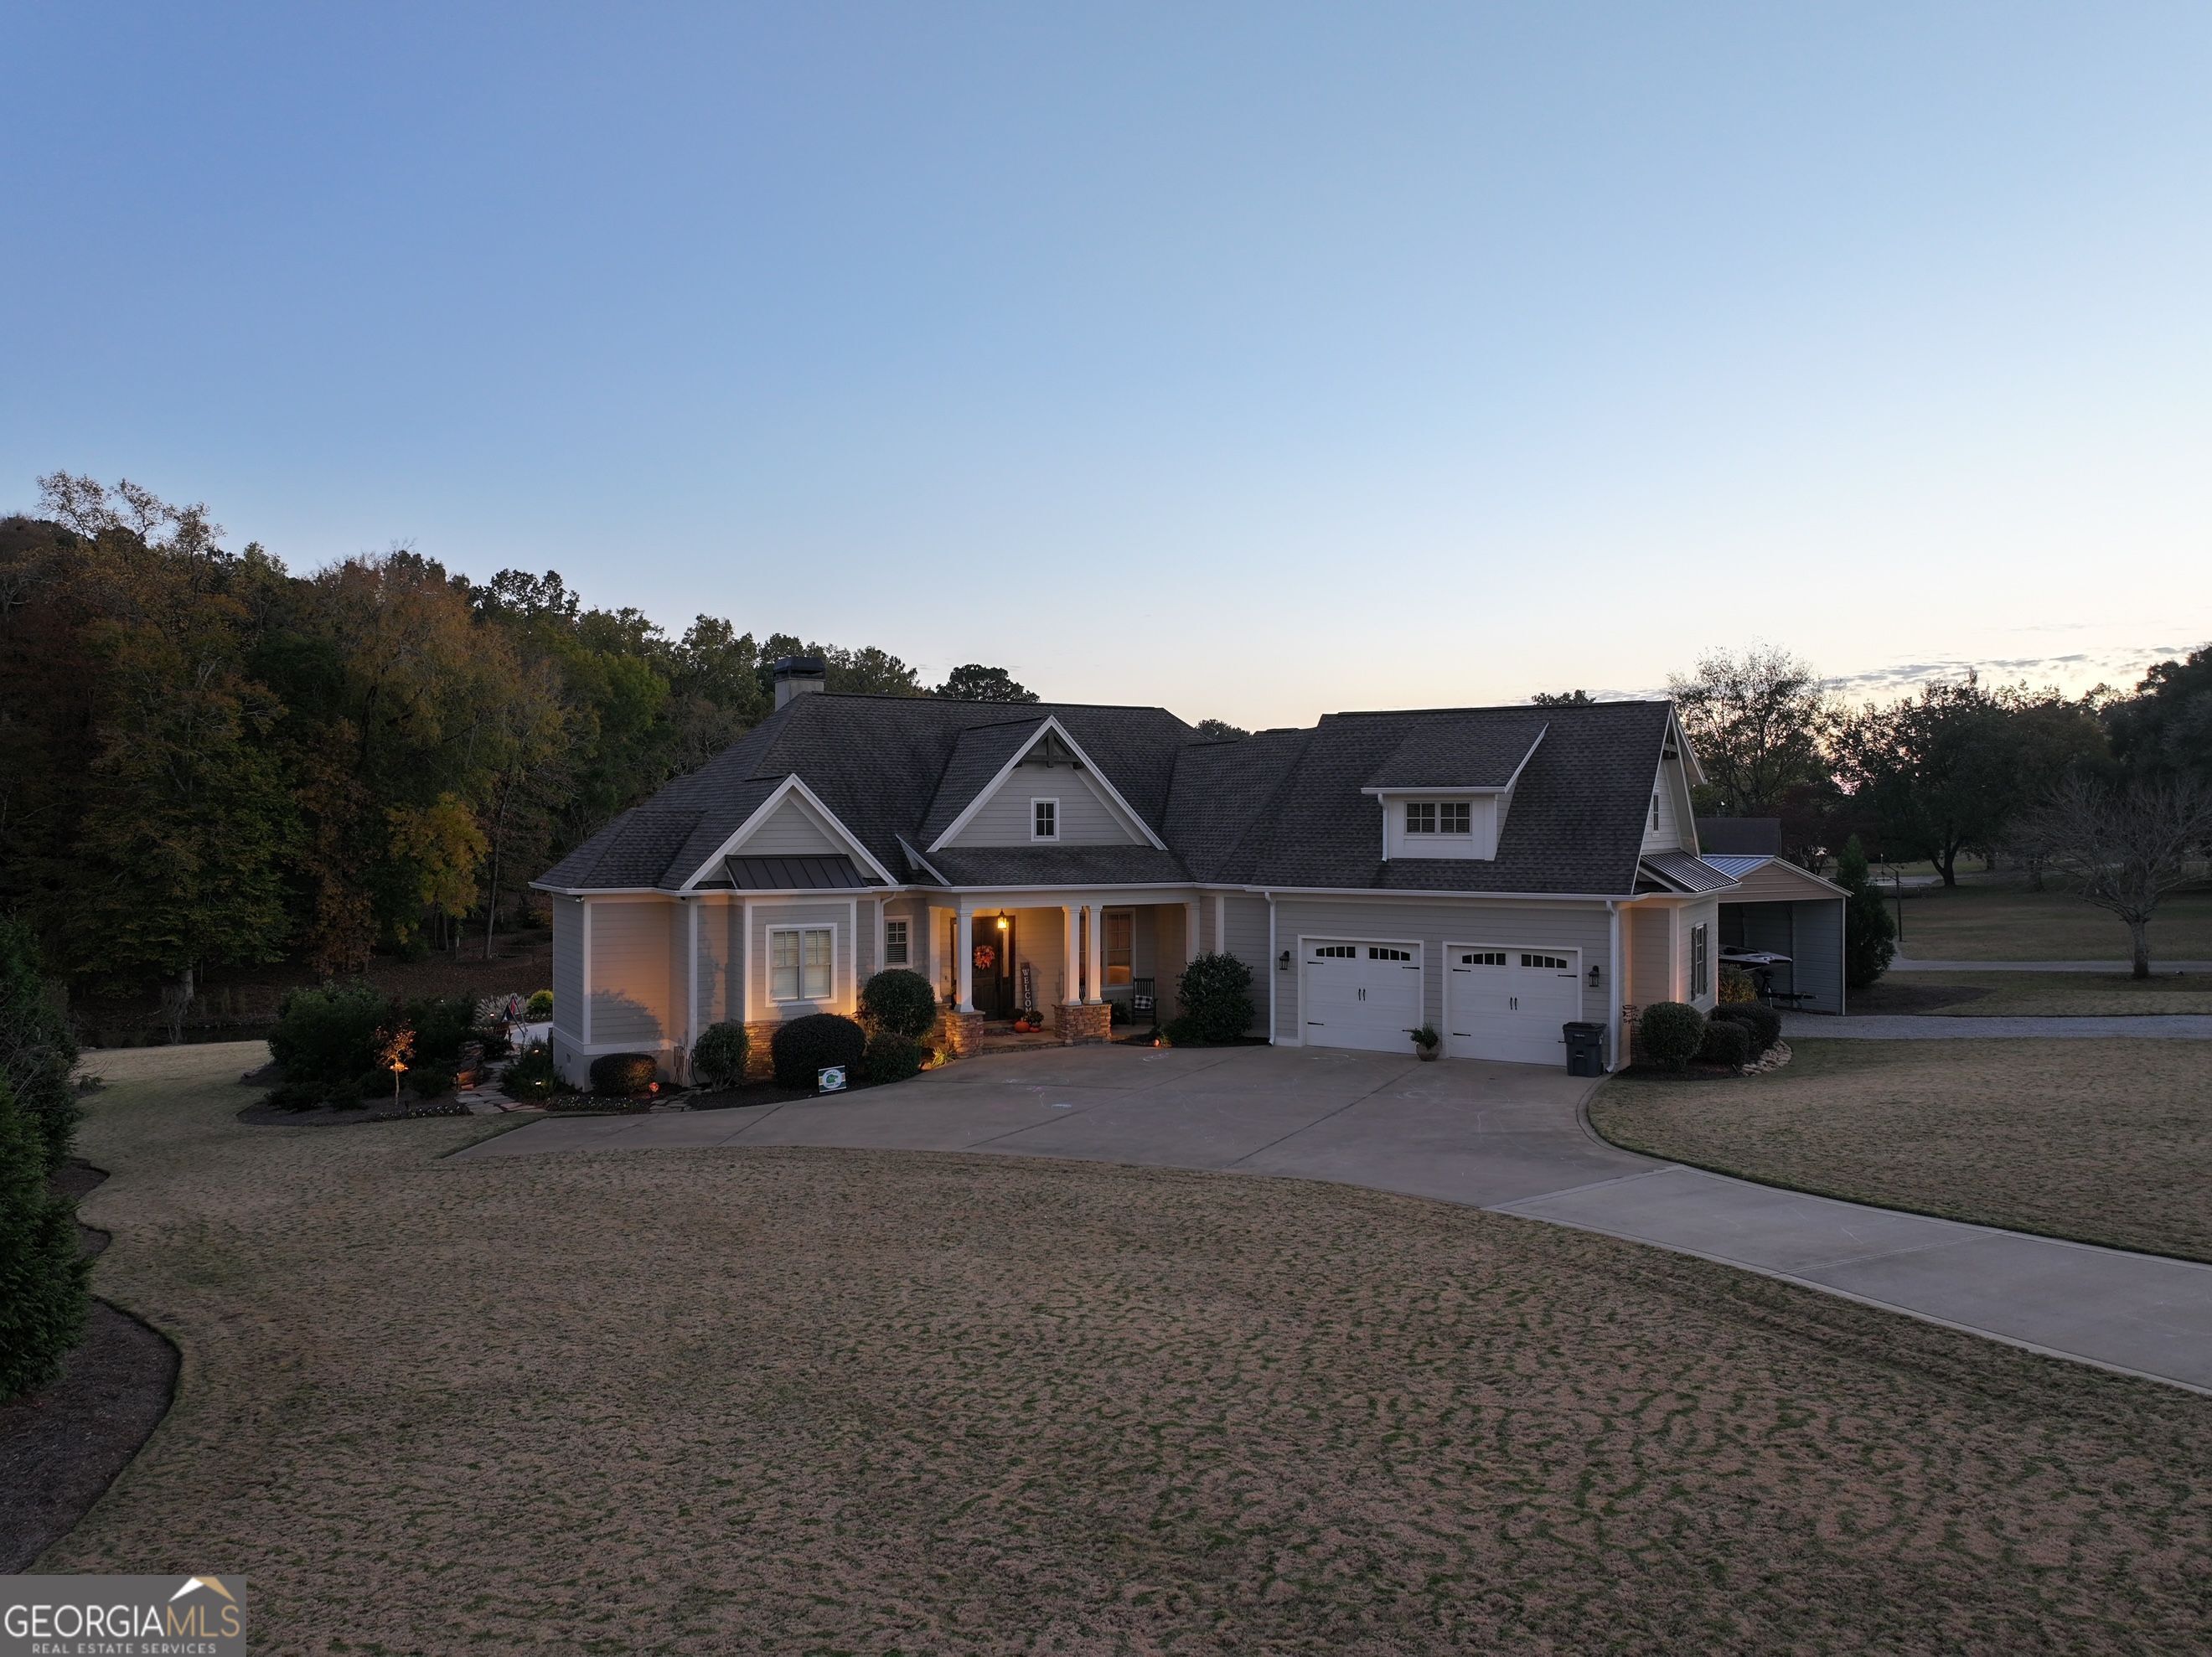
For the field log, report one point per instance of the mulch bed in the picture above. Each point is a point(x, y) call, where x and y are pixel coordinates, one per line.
point(61, 1448)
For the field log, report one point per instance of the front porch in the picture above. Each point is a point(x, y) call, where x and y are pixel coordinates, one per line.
point(1087, 970)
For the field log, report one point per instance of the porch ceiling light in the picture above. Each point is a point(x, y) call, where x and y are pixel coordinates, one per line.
point(1002, 923)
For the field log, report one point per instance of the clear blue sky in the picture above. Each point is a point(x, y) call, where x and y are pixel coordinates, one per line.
point(1256, 360)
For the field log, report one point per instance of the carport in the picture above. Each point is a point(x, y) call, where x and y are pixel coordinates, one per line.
point(1781, 909)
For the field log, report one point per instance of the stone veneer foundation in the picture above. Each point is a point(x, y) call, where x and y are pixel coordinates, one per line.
point(1082, 1022)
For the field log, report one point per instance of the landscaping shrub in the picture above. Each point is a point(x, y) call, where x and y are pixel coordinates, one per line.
point(42, 1269)
point(891, 1059)
point(1763, 1022)
point(532, 1076)
point(623, 1075)
point(898, 1001)
point(1736, 987)
point(718, 1057)
point(1727, 1042)
point(430, 1081)
point(36, 1052)
point(806, 1045)
point(1216, 991)
point(1671, 1032)
point(292, 1095)
point(540, 1007)
point(327, 1036)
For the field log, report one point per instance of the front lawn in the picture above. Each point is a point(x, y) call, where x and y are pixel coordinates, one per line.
point(823, 1400)
point(2106, 1141)
point(2034, 995)
point(1997, 918)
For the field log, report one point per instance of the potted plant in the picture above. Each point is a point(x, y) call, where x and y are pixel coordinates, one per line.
point(1427, 1044)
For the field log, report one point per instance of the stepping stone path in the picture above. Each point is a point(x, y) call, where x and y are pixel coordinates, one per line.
point(485, 1098)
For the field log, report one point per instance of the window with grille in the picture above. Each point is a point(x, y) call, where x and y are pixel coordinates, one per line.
point(1556, 963)
point(1455, 818)
point(1044, 819)
point(1701, 968)
point(1336, 951)
point(1482, 957)
point(1421, 817)
point(798, 963)
point(1375, 952)
point(895, 943)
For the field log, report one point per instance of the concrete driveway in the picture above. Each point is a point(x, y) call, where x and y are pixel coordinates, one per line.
point(1511, 1137)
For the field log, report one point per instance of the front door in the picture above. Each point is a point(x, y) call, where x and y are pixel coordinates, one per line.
point(992, 938)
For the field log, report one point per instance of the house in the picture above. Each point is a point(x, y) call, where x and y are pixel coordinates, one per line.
point(1782, 921)
point(1495, 872)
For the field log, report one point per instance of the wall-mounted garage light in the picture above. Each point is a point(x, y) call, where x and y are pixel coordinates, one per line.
point(1283, 964)
point(1593, 976)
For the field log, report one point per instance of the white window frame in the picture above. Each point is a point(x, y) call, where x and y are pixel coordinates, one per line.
point(799, 963)
point(1414, 826)
point(1053, 800)
point(1701, 960)
point(898, 949)
point(1655, 810)
point(1464, 810)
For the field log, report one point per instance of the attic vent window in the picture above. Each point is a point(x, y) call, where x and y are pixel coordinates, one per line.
point(1654, 808)
point(1044, 819)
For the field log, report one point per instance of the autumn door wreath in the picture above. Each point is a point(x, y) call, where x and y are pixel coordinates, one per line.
point(985, 954)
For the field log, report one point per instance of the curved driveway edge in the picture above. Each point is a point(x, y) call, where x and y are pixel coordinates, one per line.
point(1508, 1137)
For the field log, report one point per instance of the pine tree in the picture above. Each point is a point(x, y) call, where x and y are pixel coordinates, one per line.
point(1869, 934)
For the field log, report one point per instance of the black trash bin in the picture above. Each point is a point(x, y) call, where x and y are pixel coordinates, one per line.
point(1585, 1047)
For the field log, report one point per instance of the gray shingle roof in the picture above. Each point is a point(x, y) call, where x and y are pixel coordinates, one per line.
point(1460, 754)
point(1283, 808)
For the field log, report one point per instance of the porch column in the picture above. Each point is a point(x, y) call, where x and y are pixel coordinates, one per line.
point(691, 1004)
point(1220, 924)
point(1190, 950)
point(883, 913)
point(963, 955)
point(1070, 964)
point(1093, 954)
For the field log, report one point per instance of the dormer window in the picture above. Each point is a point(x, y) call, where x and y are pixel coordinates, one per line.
point(1431, 817)
point(1420, 818)
point(1044, 819)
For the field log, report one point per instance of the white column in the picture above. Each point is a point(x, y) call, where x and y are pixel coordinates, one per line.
point(853, 953)
point(963, 955)
point(1220, 924)
point(1094, 955)
point(883, 938)
point(584, 1025)
point(1071, 964)
point(1190, 950)
point(745, 973)
point(933, 943)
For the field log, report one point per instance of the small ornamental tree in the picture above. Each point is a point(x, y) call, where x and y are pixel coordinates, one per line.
point(1216, 992)
point(718, 1057)
point(43, 1303)
point(1870, 933)
point(899, 1001)
point(1672, 1033)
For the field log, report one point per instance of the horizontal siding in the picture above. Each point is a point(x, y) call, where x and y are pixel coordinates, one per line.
point(1672, 785)
point(1245, 935)
point(568, 966)
point(722, 962)
point(1646, 932)
point(791, 830)
point(1433, 924)
point(630, 1002)
point(1703, 911)
point(1818, 925)
point(1084, 817)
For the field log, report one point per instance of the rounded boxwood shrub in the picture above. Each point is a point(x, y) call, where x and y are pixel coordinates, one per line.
point(1216, 992)
point(891, 1059)
point(1763, 1022)
point(533, 1075)
point(42, 1314)
point(815, 1042)
point(899, 1001)
point(540, 1007)
point(718, 1057)
point(1727, 1042)
point(1671, 1032)
point(623, 1075)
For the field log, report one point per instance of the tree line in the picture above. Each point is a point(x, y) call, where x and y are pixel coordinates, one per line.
point(206, 759)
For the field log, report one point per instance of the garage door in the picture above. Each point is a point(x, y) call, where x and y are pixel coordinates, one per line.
point(1361, 994)
point(1504, 1001)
